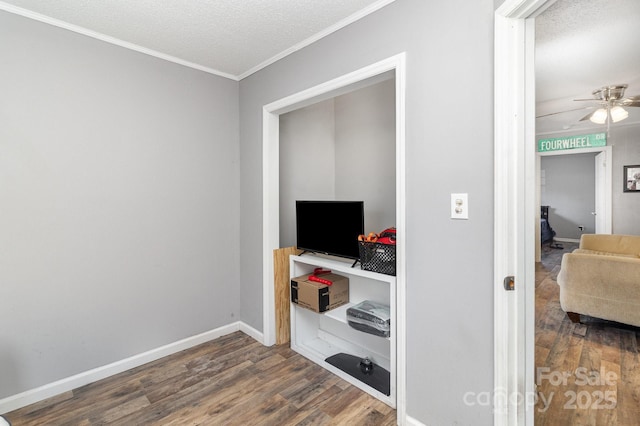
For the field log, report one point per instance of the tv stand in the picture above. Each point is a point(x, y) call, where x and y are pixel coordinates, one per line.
point(320, 337)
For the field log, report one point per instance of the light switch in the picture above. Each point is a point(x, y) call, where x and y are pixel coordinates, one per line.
point(459, 206)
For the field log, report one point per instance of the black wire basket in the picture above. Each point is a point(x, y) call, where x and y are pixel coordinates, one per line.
point(377, 257)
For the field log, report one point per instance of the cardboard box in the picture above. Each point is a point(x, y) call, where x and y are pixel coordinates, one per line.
point(320, 297)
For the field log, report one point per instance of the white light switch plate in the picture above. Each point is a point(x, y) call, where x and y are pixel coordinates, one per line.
point(459, 206)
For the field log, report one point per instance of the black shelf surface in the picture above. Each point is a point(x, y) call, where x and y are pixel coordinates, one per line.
point(376, 376)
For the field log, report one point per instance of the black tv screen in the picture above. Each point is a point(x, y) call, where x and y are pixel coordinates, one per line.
point(330, 227)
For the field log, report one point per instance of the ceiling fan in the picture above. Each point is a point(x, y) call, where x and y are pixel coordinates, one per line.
point(610, 102)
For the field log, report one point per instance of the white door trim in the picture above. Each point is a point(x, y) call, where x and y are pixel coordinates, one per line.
point(514, 210)
point(270, 200)
point(604, 195)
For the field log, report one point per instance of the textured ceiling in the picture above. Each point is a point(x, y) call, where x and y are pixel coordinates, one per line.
point(232, 38)
point(582, 45)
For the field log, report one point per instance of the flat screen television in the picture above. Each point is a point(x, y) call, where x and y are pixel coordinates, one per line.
point(330, 227)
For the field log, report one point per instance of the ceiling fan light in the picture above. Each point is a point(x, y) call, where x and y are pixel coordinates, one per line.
point(618, 113)
point(599, 116)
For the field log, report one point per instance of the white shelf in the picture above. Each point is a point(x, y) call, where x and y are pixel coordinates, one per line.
point(321, 348)
point(339, 313)
point(315, 261)
point(318, 336)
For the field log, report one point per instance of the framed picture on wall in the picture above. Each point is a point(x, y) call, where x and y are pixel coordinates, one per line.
point(631, 176)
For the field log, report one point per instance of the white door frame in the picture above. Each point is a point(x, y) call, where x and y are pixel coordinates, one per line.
point(604, 192)
point(270, 202)
point(515, 205)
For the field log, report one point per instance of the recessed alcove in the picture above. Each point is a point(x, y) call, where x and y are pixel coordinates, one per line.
point(361, 144)
point(341, 148)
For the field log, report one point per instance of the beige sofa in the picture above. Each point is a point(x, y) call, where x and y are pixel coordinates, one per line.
point(601, 279)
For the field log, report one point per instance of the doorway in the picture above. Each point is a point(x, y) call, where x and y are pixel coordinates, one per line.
point(516, 207)
point(515, 211)
point(271, 193)
point(602, 191)
point(567, 188)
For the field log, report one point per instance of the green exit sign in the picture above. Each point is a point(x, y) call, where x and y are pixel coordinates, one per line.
point(572, 142)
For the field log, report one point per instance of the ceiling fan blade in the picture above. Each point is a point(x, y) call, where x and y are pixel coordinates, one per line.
point(631, 101)
point(562, 112)
point(586, 117)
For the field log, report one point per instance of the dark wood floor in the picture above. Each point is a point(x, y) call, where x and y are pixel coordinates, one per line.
point(606, 389)
point(233, 380)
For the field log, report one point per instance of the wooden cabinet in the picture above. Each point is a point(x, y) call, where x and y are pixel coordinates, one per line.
point(320, 335)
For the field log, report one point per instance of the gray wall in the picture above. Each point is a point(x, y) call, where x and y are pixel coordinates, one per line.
point(343, 149)
point(119, 173)
point(306, 135)
point(118, 203)
point(624, 140)
point(568, 188)
point(449, 47)
point(365, 152)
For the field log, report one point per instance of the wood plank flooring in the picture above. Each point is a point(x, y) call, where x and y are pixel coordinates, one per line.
point(588, 373)
point(233, 380)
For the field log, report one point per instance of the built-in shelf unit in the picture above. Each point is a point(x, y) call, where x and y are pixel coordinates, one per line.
point(320, 335)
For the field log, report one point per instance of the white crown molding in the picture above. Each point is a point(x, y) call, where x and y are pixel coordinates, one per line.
point(108, 39)
point(112, 40)
point(332, 29)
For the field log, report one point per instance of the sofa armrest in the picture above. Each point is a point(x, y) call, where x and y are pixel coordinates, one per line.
point(606, 287)
point(606, 277)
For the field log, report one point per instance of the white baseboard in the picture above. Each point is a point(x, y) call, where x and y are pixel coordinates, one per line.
point(410, 421)
point(64, 385)
point(251, 332)
point(566, 240)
